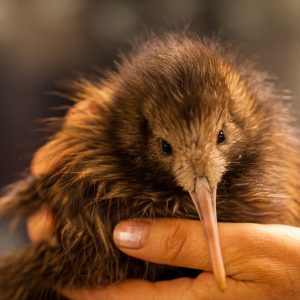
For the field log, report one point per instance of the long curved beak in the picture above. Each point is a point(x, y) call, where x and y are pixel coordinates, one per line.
point(205, 202)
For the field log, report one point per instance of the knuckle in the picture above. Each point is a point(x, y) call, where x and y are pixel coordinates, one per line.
point(254, 244)
point(175, 242)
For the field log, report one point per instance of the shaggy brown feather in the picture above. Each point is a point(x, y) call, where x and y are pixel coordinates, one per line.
point(109, 166)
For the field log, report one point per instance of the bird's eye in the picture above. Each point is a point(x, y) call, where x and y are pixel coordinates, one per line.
point(166, 147)
point(221, 137)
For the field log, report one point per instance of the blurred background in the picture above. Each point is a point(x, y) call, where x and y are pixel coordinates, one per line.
point(43, 41)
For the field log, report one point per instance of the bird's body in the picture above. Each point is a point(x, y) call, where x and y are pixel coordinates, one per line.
point(178, 109)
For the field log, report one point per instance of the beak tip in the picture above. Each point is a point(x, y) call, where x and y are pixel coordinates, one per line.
point(222, 285)
point(220, 278)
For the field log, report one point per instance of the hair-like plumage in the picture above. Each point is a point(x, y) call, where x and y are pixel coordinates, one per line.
point(109, 166)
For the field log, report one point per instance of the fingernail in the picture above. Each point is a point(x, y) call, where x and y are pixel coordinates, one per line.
point(131, 234)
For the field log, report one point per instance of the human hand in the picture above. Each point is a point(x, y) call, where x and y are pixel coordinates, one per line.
point(261, 261)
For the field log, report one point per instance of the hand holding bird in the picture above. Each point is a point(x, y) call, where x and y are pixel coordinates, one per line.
point(261, 260)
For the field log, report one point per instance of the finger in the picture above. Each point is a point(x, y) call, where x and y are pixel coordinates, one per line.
point(182, 243)
point(200, 288)
point(134, 289)
point(40, 225)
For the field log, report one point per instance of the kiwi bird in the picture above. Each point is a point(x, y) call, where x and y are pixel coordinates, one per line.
point(184, 127)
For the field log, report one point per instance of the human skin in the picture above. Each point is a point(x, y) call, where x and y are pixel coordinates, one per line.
point(261, 261)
